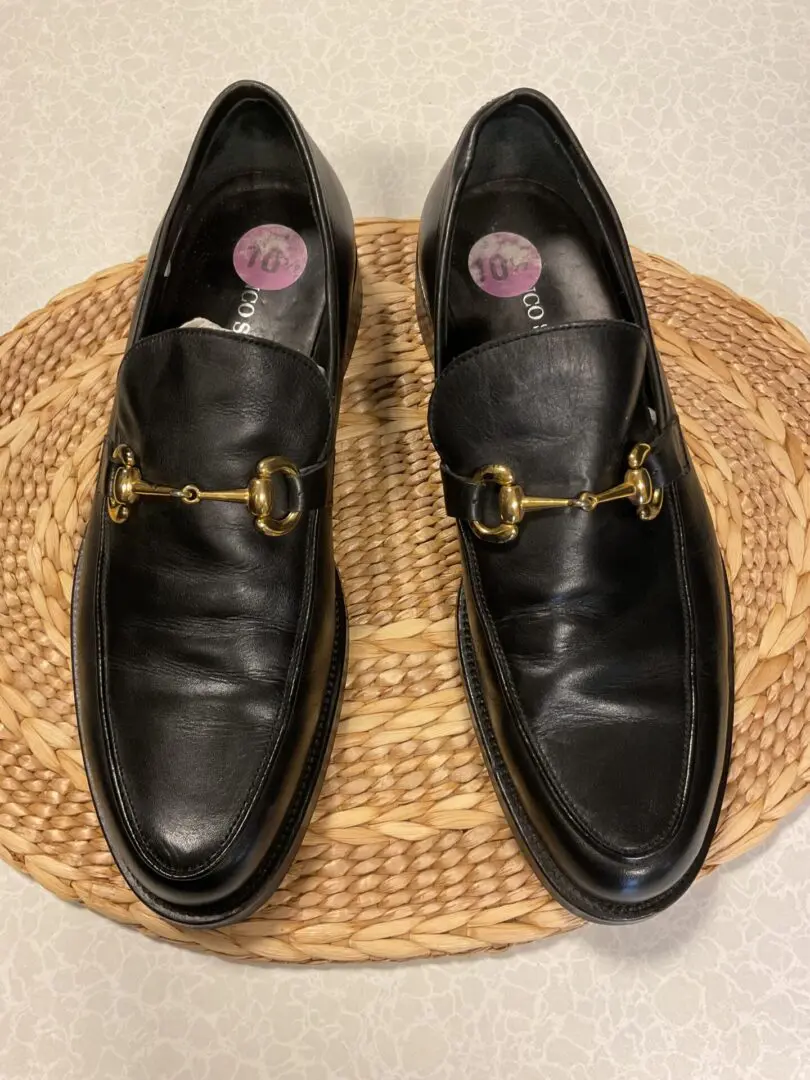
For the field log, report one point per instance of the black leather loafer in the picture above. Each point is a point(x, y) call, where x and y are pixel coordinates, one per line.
point(593, 623)
point(209, 631)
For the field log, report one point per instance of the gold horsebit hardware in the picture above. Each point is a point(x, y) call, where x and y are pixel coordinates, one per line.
point(513, 504)
point(127, 486)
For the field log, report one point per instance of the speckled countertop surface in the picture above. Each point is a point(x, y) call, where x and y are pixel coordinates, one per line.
point(697, 114)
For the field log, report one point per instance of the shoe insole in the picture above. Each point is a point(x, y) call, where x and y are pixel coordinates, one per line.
point(249, 258)
point(522, 260)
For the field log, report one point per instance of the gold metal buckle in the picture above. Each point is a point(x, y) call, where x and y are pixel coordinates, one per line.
point(127, 486)
point(513, 504)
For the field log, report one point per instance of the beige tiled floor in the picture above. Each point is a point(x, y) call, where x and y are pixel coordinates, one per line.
point(698, 115)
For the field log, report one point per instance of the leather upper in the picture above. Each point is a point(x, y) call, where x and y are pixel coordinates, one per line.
point(208, 657)
point(597, 646)
point(211, 608)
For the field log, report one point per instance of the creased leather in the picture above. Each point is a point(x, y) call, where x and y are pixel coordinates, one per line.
point(211, 606)
point(597, 647)
point(557, 407)
point(208, 657)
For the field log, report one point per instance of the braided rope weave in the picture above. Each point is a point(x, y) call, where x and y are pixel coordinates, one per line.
point(408, 853)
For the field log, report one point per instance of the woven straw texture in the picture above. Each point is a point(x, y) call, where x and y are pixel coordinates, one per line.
point(408, 853)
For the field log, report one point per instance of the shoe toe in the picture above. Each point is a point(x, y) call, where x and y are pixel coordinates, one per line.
point(192, 794)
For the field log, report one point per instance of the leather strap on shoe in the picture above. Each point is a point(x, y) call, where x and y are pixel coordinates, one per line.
point(544, 421)
point(276, 495)
point(668, 459)
point(466, 497)
point(493, 502)
point(211, 416)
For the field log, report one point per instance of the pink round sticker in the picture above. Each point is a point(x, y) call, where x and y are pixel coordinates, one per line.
point(504, 264)
point(270, 257)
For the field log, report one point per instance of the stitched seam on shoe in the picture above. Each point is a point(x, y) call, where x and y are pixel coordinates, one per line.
point(690, 680)
point(536, 754)
point(515, 708)
point(493, 749)
point(154, 859)
point(301, 793)
point(148, 853)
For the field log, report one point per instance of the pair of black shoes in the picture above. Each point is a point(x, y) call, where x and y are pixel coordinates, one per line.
point(209, 631)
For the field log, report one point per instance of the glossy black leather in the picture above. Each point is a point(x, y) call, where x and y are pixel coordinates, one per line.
point(596, 647)
point(208, 658)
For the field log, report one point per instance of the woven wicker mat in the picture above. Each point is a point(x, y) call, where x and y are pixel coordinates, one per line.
point(408, 854)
